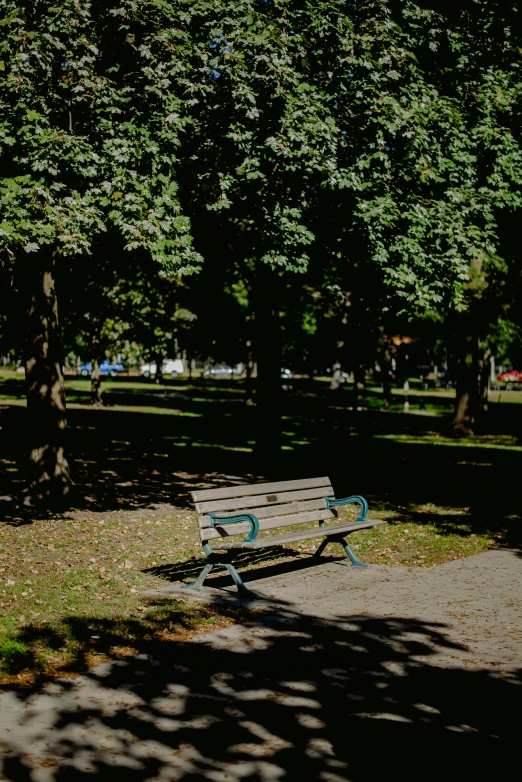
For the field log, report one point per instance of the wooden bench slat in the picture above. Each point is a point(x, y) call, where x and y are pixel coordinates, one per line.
point(203, 495)
point(272, 511)
point(242, 528)
point(258, 500)
point(291, 537)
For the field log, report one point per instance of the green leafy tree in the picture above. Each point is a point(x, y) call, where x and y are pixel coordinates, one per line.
point(88, 140)
point(154, 315)
point(427, 98)
point(91, 311)
point(377, 139)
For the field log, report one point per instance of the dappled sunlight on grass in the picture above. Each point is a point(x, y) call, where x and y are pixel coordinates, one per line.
point(56, 572)
point(499, 442)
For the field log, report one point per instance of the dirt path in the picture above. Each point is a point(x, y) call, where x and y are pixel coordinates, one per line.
point(477, 600)
point(354, 675)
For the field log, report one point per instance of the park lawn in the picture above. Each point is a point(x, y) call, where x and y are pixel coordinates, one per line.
point(71, 588)
point(500, 442)
point(70, 591)
point(417, 536)
point(132, 391)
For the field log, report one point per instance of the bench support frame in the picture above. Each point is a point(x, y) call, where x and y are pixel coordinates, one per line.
point(254, 523)
point(238, 581)
point(355, 499)
point(212, 555)
point(340, 539)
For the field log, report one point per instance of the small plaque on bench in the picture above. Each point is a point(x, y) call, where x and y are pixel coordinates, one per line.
point(271, 498)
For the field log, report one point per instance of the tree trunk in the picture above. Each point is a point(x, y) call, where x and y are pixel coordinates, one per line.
point(358, 377)
point(484, 380)
point(471, 400)
point(49, 476)
point(463, 420)
point(385, 362)
point(386, 389)
point(268, 359)
point(158, 377)
point(405, 392)
point(466, 397)
point(249, 369)
point(96, 392)
point(337, 373)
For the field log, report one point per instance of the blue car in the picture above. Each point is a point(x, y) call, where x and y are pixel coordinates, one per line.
point(105, 369)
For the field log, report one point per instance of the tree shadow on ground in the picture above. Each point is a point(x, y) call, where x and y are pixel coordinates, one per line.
point(351, 698)
point(123, 459)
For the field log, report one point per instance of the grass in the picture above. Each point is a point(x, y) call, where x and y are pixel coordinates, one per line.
point(421, 536)
point(65, 582)
point(498, 442)
point(71, 589)
point(206, 388)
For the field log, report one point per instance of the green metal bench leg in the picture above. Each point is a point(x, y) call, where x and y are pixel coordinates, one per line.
point(241, 588)
point(353, 559)
point(198, 583)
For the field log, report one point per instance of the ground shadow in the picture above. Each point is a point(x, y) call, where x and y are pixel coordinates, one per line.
point(352, 698)
point(266, 563)
point(127, 459)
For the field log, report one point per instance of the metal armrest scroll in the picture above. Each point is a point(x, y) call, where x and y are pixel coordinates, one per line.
point(218, 521)
point(355, 499)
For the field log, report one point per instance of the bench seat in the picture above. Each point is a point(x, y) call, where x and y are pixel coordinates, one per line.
point(304, 534)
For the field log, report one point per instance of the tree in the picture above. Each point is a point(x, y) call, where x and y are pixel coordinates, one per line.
point(257, 146)
point(427, 99)
point(92, 310)
point(152, 309)
point(379, 139)
point(88, 141)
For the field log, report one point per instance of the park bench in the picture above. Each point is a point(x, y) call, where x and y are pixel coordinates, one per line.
point(227, 513)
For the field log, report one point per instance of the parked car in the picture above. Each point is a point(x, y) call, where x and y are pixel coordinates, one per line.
point(171, 367)
point(513, 376)
point(105, 369)
point(222, 370)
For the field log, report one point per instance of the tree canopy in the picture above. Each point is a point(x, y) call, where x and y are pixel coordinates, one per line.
point(373, 146)
point(89, 132)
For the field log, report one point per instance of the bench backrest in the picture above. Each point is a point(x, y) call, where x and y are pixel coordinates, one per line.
point(275, 505)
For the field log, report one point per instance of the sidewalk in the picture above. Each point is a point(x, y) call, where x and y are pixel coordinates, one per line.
point(478, 600)
point(402, 673)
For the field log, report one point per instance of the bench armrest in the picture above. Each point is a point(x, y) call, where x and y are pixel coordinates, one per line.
point(356, 498)
point(217, 521)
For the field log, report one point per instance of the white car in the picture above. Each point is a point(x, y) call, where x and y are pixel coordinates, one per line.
point(171, 367)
